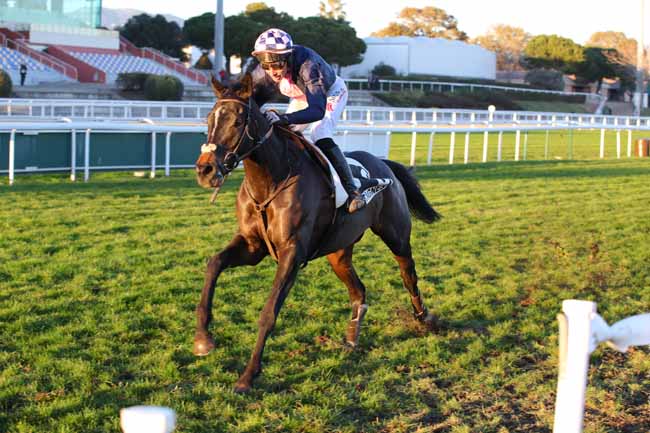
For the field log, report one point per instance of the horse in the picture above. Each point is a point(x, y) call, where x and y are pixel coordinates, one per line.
point(285, 209)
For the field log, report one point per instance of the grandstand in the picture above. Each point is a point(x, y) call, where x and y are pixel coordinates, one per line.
point(60, 41)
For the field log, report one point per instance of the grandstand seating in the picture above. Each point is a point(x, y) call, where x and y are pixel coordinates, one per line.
point(114, 64)
point(10, 61)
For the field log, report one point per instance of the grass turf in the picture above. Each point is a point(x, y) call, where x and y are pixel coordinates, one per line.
point(99, 281)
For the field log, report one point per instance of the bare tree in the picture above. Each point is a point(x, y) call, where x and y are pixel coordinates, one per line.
point(332, 9)
point(508, 43)
point(427, 21)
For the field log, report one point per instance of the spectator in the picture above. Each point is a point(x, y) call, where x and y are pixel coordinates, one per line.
point(23, 73)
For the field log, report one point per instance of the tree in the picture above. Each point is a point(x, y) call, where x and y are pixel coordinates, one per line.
point(625, 46)
point(508, 43)
point(155, 32)
point(332, 9)
point(240, 34)
point(335, 40)
point(596, 66)
point(545, 79)
point(427, 21)
point(268, 17)
point(553, 52)
point(199, 31)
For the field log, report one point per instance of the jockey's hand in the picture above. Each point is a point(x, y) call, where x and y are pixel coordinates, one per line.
point(276, 119)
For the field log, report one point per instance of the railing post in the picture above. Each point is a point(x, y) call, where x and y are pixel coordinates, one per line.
point(517, 143)
point(466, 153)
point(602, 143)
point(452, 145)
point(414, 140)
point(73, 155)
point(387, 143)
point(87, 155)
point(546, 141)
point(618, 144)
point(575, 335)
point(485, 146)
point(629, 138)
point(12, 156)
point(499, 146)
point(152, 175)
point(168, 137)
point(430, 151)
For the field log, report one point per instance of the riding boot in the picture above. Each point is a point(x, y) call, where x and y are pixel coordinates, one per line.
point(336, 157)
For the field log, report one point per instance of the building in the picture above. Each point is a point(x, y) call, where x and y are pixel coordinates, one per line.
point(428, 56)
point(60, 40)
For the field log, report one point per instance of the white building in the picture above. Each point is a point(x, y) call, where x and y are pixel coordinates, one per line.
point(430, 56)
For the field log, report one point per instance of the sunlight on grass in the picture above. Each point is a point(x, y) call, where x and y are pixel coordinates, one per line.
point(99, 282)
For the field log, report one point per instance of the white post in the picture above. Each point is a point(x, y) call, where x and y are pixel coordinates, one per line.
point(499, 146)
point(430, 151)
point(87, 156)
point(485, 146)
point(466, 155)
point(12, 156)
point(602, 143)
point(618, 144)
point(168, 137)
point(575, 335)
point(452, 145)
point(517, 143)
point(153, 156)
point(387, 144)
point(73, 155)
point(413, 144)
point(147, 419)
point(629, 143)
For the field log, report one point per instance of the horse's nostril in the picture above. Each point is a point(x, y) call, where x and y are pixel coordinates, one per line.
point(206, 170)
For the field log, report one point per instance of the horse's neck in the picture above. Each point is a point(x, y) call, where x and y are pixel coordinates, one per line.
point(268, 166)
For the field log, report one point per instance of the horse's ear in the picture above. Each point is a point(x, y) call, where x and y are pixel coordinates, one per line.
point(217, 87)
point(246, 86)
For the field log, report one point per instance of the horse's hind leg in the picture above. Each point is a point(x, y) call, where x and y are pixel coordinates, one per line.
point(399, 243)
point(341, 262)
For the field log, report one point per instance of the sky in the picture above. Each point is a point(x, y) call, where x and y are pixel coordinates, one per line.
point(575, 19)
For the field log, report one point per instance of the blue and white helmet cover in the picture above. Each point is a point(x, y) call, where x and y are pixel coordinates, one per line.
point(274, 41)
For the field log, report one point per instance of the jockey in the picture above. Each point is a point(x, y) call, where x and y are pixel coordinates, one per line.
point(318, 96)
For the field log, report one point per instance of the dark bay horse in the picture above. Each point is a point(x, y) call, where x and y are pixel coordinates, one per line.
point(285, 209)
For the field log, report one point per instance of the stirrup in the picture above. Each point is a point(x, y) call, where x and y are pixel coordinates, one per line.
point(356, 202)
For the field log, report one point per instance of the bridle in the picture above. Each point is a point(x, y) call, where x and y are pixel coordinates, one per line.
point(232, 158)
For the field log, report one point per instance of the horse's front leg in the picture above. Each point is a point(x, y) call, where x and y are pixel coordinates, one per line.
point(239, 251)
point(285, 276)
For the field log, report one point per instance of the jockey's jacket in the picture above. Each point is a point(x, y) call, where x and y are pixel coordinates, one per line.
point(310, 78)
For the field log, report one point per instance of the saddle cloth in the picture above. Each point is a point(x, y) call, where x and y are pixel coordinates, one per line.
point(368, 186)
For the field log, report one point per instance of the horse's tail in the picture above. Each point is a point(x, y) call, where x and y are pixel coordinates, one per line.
point(418, 203)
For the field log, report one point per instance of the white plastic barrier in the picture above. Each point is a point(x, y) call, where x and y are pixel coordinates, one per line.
point(581, 331)
point(147, 419)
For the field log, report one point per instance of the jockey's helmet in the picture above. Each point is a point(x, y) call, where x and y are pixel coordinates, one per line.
point(272, 46)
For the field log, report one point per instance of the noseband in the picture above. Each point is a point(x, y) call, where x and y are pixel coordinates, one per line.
point(232, 158)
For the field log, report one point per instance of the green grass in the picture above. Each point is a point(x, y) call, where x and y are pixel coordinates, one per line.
point(552, 106)
point(562, 145)
point(99, 281)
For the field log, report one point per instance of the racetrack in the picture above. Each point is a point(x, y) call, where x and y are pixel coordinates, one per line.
point(99, 281)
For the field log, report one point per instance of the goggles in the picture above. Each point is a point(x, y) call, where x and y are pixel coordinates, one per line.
point(273, 65)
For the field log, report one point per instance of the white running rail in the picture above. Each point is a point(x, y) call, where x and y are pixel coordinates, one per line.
point(581, 331)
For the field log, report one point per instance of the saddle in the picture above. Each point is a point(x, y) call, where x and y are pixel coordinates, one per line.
point(368, 187)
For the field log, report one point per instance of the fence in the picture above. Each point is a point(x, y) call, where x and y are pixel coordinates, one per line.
point(169, 110)
point(581, 331)
point(111, 154)
point(442, 86)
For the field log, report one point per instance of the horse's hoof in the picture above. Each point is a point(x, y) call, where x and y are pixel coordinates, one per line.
point(430, 322)
point(242, 388)
point(203, 345)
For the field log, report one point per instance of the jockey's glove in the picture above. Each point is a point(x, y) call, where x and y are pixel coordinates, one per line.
point(276, 119)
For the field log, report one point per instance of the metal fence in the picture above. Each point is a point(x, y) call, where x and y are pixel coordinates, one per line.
point(141, 144)
point(197, 111)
